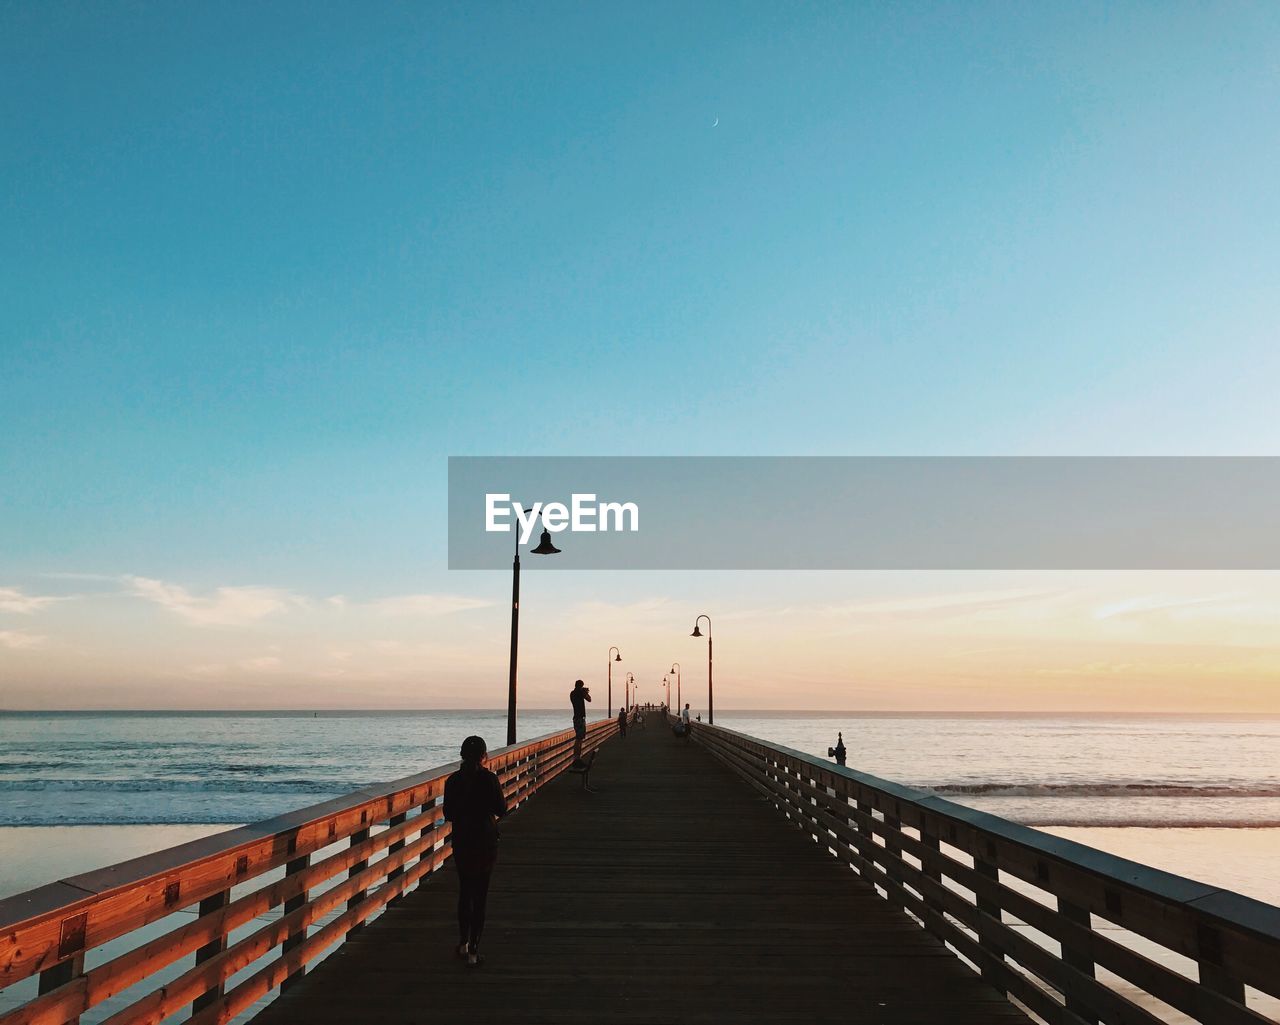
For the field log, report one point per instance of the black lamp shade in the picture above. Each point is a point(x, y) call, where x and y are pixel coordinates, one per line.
point(696, 631)
point(545, 547)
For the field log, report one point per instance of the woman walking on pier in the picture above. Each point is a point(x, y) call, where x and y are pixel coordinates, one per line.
point(473, 802)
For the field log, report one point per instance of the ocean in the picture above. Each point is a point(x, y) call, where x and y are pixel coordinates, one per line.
point(1198, 795)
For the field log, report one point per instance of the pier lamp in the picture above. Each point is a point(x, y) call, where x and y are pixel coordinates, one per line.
point(666, 682)
point(609, 662)
point(711, 713)
point(631, 679)
point(675, 668)
point(545, 547)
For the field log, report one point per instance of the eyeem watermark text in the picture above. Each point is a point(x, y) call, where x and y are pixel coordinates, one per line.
point(583, 514)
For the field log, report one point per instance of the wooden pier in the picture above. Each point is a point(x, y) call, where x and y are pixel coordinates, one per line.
point(669, 895)
point(675, 892)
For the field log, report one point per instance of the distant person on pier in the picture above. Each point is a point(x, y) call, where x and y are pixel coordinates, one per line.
point(473, 803)
point(622, 722)
point(838, 752)
point(578, 697)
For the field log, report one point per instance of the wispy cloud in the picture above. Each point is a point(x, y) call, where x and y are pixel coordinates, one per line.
point(424, 604)
point(238, 606)
point(225, 606)
point(1156, 603)
point(943, 604)
point(20, 640)
point(1165, 669)
point(642, 610)
point(12, 599)
point(96, 577)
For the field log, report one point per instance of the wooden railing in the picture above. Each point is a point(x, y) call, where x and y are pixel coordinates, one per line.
point(1028, 909)
point(269, 898)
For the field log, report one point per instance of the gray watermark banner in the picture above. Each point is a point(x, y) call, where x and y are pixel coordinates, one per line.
point(819, 512)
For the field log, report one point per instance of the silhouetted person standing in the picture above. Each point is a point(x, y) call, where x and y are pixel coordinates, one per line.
point(622, 722)
point(578, 697)
point(473, 802)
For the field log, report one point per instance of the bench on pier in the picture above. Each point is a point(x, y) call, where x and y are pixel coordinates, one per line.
point(583, 769)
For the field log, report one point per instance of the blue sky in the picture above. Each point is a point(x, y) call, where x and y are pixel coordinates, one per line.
point(266, 268)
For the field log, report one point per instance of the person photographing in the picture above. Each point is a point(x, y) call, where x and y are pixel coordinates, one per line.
point(578, 698)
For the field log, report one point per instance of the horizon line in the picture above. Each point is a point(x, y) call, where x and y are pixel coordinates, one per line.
point(558, 709)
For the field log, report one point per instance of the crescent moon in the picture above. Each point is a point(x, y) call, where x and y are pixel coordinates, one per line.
point(715, 122)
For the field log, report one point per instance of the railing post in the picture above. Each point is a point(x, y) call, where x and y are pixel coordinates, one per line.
point(209, 906)
point(1077, 957)
point(988, 870)
point(930, 840)
point(787, 785)
point(61, 974)
point(357, 838)
point(893, 848)
point(863, 829)
point(809, 804)
point(295, 936)
point(1209, 962)
point(841, 794)
point(775, 774)
point(434, 809)
point(396, 845)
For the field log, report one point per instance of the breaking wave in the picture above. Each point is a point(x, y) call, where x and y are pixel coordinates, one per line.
point(1183, 790)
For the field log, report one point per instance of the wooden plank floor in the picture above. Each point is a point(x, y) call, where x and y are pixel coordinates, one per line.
point(674, 894)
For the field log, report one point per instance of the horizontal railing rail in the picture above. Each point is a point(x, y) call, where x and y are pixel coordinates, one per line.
point(338, 872)
point(1026, 908)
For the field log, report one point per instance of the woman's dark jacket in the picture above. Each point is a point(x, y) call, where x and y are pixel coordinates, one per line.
point(472, 799)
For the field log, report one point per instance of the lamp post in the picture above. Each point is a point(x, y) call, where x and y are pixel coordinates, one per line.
point(545, 547)
point(666, 680)
point(609, 662)
point(711, 713)
point(675, 668)
point(631, 679)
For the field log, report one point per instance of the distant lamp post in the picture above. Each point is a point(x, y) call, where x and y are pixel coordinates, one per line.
point(675, 668)
point(631, 679)
point(711, 707)
point(609, 662)
point(545, 547)
point(666, 682)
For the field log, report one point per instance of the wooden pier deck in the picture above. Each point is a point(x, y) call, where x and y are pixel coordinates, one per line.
point(672, 894)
